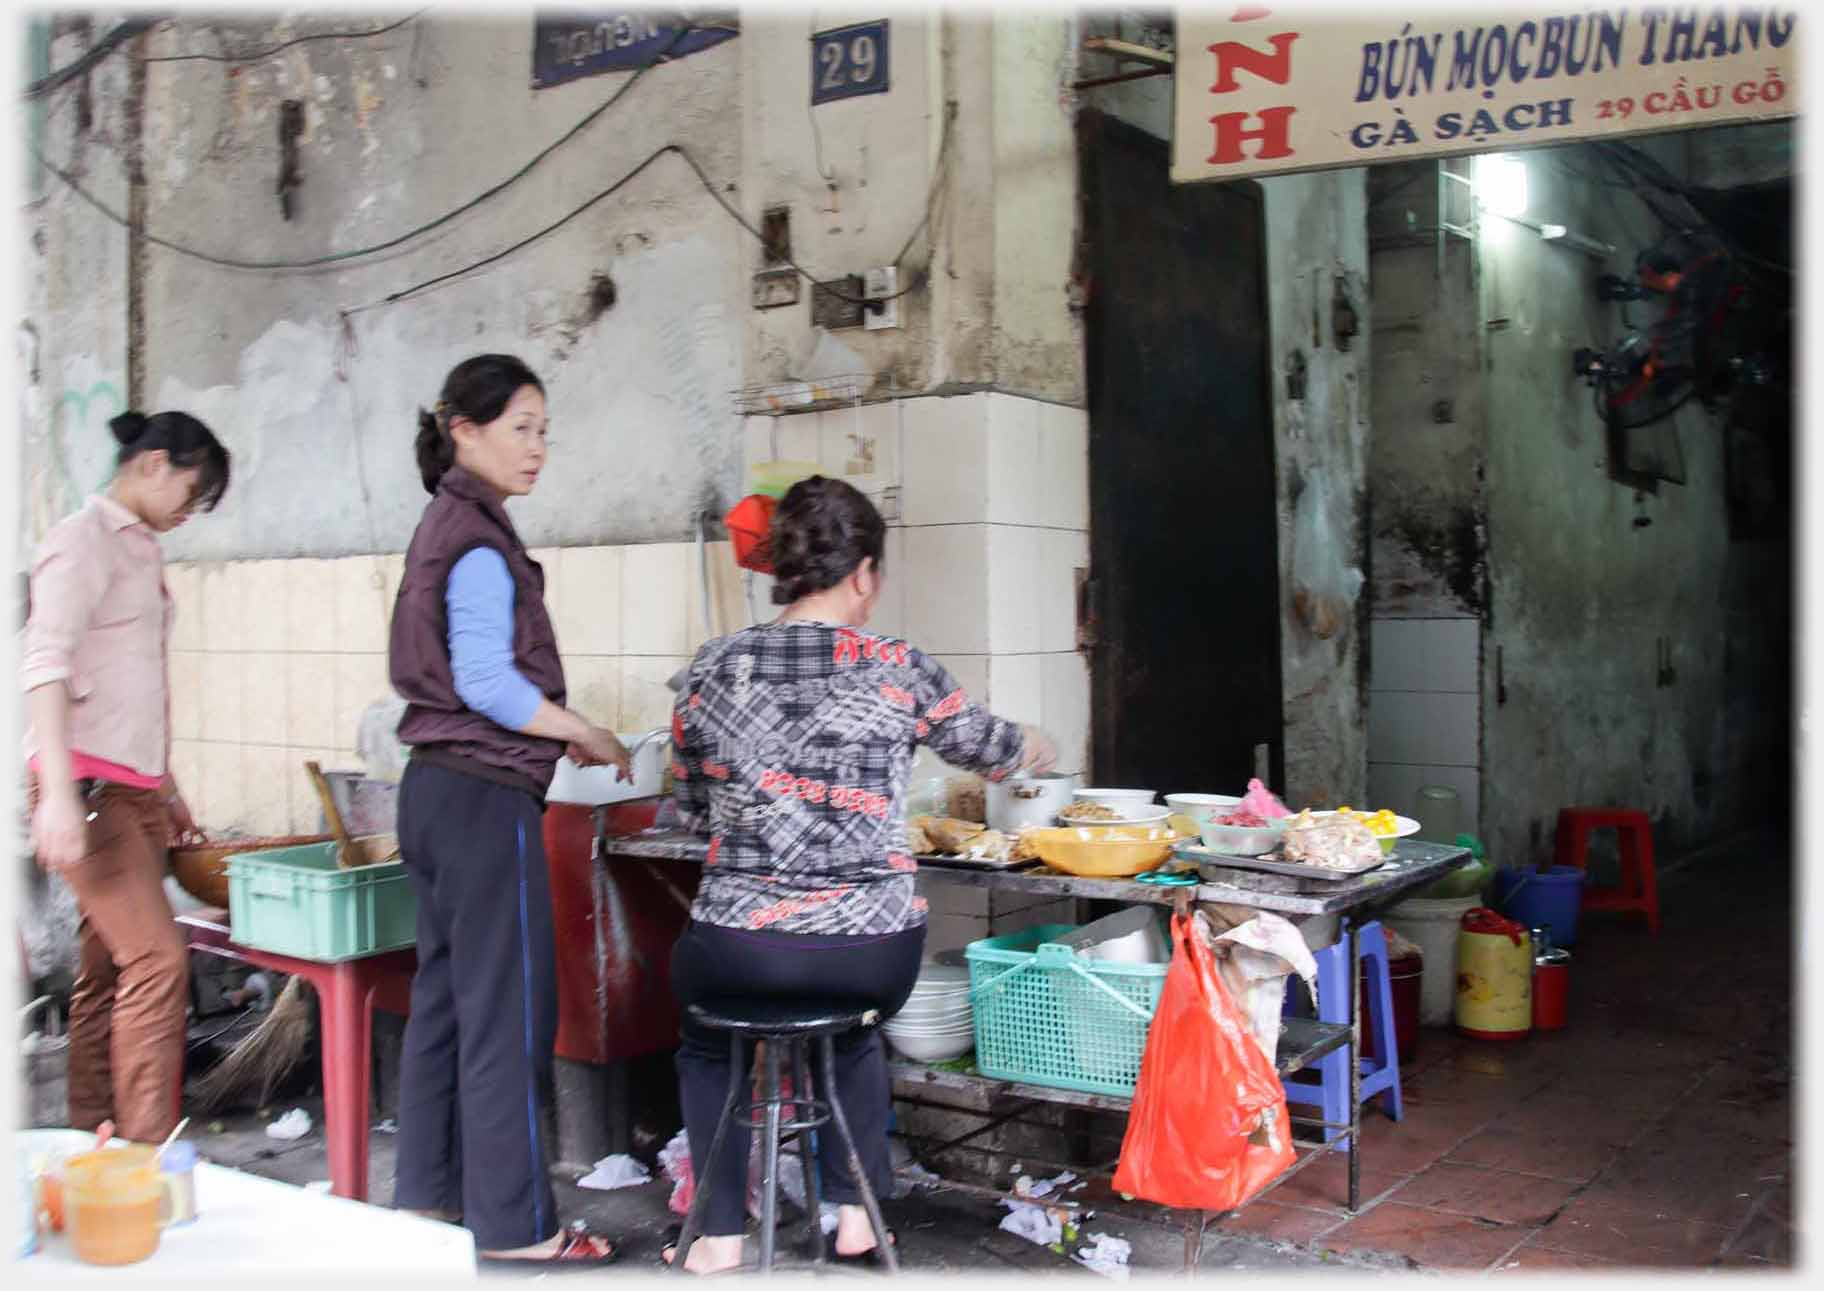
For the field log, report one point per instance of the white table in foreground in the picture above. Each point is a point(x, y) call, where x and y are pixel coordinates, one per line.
point(262, 1228)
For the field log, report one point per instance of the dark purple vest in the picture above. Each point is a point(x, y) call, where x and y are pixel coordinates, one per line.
point(464, 515)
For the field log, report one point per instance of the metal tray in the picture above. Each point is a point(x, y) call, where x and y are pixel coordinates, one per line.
point(1208, 859)
point(973, 863)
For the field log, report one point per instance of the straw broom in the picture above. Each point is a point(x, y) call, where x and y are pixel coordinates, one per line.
point(253, 1070)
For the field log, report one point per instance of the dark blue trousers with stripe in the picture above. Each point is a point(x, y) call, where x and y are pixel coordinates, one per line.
point(477, 1057)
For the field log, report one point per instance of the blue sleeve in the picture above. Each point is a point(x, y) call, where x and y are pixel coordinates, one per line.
point(479, 601)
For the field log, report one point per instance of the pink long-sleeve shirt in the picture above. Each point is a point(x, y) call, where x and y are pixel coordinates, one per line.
point(101, 624)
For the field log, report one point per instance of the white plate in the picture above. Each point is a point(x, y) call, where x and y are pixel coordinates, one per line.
point(1147, 796)
point(1404, 826)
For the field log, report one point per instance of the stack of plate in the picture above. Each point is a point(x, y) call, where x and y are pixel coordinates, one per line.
point(937, 1023)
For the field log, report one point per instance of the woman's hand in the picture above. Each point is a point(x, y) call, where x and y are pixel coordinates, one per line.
point(60, 835)
point(600, 747)
point(1041, 753)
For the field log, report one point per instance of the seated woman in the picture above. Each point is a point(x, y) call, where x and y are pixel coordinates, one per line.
point(795, 742)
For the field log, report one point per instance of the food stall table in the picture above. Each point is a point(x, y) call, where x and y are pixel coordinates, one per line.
point(1411, 865)
point(261, 1228)
point(349, 991)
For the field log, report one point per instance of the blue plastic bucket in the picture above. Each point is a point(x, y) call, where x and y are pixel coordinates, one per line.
point(1546, 898)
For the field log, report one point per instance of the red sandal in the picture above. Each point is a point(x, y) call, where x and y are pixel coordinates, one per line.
point(579, 1249)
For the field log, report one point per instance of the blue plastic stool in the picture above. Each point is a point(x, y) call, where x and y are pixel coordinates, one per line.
point(1326, 1083)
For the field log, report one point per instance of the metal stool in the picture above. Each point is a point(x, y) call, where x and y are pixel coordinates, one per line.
point(781, 1023)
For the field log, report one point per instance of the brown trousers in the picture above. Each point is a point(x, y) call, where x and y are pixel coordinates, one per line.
point(133, 975)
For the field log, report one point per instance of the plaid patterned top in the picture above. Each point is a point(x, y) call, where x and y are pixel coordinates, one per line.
point(794, 744)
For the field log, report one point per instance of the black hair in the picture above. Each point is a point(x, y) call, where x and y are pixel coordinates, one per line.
point(821, 531)
point(185, 441)
point(479, 389)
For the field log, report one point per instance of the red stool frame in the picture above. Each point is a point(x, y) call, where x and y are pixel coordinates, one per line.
point(1639, 890)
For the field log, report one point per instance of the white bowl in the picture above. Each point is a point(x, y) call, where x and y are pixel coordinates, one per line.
point(1132, 812)
point(1201, 806)
point(939, 1027)
point(1240, 840)
point(936, 1013)
point(1111, 796)
point(925, 1049)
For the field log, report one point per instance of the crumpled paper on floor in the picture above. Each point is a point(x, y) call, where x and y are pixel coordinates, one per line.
point(295, 1124)
point(617, 1171)
point(1106, 1255)
point(1253, 959)
point(1026, 1186)
point(1034, 1223)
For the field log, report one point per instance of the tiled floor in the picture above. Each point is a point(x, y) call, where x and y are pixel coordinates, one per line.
point(1656, 1130)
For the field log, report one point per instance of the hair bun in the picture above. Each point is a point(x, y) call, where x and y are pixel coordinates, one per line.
point(128, 427)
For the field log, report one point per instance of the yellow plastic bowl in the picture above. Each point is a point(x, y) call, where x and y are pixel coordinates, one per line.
point(1107, 852)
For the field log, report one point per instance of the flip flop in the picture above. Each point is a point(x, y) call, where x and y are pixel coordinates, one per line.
point(575, 1251)
point(869, 1258)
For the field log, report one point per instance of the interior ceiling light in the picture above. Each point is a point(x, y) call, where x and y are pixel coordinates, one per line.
point(1500, 184)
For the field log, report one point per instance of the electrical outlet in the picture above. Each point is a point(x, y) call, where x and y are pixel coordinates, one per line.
point(880, 284)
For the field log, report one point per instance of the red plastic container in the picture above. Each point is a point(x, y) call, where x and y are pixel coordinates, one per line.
point(1404, 975)
point(1551, 990)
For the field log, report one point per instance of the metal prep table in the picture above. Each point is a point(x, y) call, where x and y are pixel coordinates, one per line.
point(1302, 1042)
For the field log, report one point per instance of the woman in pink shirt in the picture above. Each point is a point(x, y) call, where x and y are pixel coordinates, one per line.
point(98, 702)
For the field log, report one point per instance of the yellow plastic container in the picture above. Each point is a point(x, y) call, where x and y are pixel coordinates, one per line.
point(1104, 851)
point(115, 1202)
point(1494, 977)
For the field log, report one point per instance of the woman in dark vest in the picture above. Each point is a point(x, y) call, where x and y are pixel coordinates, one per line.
point(474, 657)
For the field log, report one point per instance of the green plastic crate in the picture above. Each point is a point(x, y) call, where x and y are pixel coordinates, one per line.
point(1047, 1016)
point(296, 901)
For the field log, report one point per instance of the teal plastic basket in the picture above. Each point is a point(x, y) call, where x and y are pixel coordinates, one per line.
point(1047, 1016)
point(296, 901)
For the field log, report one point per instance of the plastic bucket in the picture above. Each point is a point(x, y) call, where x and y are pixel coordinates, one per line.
point(1551, 990)
point(1548, 898)
point(1432, 926)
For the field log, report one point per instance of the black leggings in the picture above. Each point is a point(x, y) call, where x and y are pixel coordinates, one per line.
point(711, 961)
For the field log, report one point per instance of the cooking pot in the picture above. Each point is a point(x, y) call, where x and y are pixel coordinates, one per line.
point(1024, 799)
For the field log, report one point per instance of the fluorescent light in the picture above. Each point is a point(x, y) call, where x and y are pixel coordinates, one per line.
point(1551, 232)
point(1500, 184)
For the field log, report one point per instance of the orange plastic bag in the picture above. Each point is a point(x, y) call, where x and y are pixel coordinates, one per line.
point(1208, 1128)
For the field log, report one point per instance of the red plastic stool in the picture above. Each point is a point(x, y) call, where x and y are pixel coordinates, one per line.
point(1639, 890)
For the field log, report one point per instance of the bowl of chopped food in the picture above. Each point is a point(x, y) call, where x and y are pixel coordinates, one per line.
point(1241, 832)
point(1108, 852)
point(1201, 806)
point(1386, 827)
point(1121, 811)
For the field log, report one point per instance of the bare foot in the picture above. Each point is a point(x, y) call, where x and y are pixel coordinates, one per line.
point(598, 1247)
point(854, 1235)
point(709, 1254)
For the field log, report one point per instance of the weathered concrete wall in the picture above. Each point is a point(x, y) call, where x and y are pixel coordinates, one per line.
point(1588, 576)
point(1317, 288)
point(318, 409)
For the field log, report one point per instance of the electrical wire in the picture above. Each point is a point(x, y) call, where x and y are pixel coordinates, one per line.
point(268, 53)
point(340, 257)
point(93, 55)
point(709, 186)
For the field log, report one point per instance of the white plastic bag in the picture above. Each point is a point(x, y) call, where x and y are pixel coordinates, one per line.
point(1253, 960)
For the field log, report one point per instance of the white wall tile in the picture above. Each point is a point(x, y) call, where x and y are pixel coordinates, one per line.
point(594, 686)
point(1437, 729)
point(1015, 582)
point(310, 606)
point(187, 769)
point(310, 700)
point(265, 710)
point(268, 774)
point(363, 609)
point(757, 446)
point(797, 437)
point(860, 444)
point(224, 597)
point(185, 583)
point(223, 690)
point(645, 698)
point(890, 610)
point(1425, 654)
point(266, 608)
point(970, 671)
point(222, 788)
point(360, 680)
point(1066, 682)
point(186, 695)
point(1062, 495)
point(583, 588)
point(946, 582)
point(1016, 687)
point(1397, 786)
point(1062, 553)
point(654, 597)
point(945, 470)
point(1013, 459)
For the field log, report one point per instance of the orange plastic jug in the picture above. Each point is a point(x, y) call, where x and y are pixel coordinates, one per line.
point(111, 1204)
